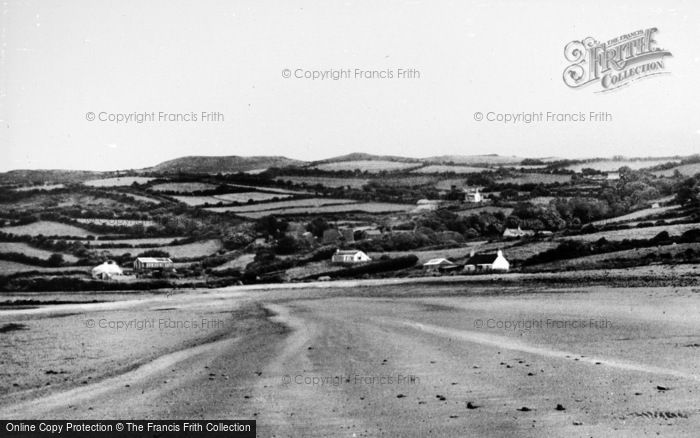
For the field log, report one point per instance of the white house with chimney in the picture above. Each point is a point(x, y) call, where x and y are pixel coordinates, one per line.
point(349, 257)
point(487, 262)
point(473, 195)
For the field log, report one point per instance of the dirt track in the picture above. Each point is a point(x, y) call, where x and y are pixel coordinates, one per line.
point(397, 360)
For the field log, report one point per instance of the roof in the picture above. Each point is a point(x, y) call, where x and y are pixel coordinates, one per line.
point(482, 259)
point(434, 262)
point(347, 252)
point(154, 259)
point(108, 266)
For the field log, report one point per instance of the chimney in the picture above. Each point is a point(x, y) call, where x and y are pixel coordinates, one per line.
point(499, 253)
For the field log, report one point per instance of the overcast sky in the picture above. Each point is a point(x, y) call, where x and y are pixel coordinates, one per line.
point(62, 60)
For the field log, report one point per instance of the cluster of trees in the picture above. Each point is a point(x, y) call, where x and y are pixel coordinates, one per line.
point(688, 193)
point(570, 249)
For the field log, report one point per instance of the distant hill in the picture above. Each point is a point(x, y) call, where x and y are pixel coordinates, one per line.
point(223, 164)
point(361, 156)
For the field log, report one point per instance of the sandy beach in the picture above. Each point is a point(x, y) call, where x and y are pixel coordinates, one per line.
point(368, 360)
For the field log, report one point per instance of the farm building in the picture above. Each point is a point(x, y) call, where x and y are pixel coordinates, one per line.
point(473, 195)
point(517, 233)
point(439, 265)
point(153, 264)
point(107, 270)
point(366, 232)
point(350, 256)
point(426, 205)
point(487, 262)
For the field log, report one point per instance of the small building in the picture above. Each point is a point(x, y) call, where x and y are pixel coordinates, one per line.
point(472, 195)
point(426, 205)
point(349, 257)
point(440, 264)
point(366, 232)
point(517, 233)
point(142, 264)
point(487, 262)
point(107, 271)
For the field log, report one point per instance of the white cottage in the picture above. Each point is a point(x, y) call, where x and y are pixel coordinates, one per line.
point(487, 262)
point(350, 256)
point(107, 270)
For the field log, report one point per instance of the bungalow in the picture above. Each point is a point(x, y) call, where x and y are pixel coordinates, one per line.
point(349, 256)
point(517, 233)
point(487, 262)
point(439, 265)
point(426, 205)
point(472, 195)
point(142, 264)
point(107, 271)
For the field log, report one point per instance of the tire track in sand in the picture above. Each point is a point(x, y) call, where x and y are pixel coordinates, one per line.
point(511, 344)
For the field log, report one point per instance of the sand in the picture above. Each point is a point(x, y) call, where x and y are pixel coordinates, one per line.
point(383, 360)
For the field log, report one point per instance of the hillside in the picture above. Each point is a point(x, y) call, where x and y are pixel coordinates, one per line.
point(361, 156)
point(223, 164)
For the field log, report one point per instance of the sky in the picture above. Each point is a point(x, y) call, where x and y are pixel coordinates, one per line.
point(62, 61)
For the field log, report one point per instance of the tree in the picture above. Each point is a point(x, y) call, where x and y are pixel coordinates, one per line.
point(271, 226)
point(688, 193)
point(317, 226)
point(287, 245)
point(55, 259)
point(154, 253)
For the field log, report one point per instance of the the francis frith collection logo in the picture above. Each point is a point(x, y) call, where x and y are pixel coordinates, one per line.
point(614, 63)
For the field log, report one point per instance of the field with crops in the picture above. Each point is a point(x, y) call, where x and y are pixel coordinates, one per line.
point(230, 198)
point(355, 183)
point(297, 203)
point(685, 169)
point(23, 248)
point(370, 166)
point(613, 165)
point(635, 233)
point(116, 222)
point(536, 178)
point(182, 187)
point(118, 181)
point(40, 187)
point(189, 250)
point(437, 168)
point(364, 207)
point(47, 228)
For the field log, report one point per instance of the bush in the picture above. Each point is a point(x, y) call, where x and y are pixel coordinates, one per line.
point(154, 253)
point(382, 265)
point(55, 260)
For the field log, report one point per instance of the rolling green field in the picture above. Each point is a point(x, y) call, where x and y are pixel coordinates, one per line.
point(182, 187)
point(311, 181)
point(366, 207)
point(282, 205)
point(437, 168)
point(371, 166)
point(23, 248)
point(118, 181)
point(47, 228)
